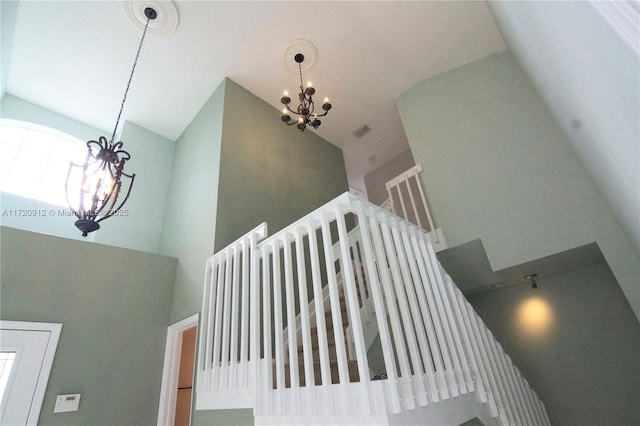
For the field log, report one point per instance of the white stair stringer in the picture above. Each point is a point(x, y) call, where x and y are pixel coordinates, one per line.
point(451, 412)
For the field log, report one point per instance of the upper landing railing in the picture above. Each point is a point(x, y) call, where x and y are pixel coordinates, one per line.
point(342, 265)
point(407, 199)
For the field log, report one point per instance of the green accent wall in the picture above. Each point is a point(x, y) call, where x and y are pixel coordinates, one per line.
point(236, 166)
point(114, 305)
point(588, 76)
point(498, 167)
point(238, 417)
point(583, 362)
point(190, 216)
point(151, 161)
point(230, 174)
point(15, 108)
point(270, 172)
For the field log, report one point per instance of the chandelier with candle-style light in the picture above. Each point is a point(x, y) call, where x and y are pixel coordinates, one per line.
point(306, 108)
point(98, 189)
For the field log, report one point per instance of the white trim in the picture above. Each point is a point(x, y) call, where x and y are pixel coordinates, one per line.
point(171, 369)
point(624, 18)
point(47, 362)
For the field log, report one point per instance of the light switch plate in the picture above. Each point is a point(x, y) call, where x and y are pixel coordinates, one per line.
point(66, 403)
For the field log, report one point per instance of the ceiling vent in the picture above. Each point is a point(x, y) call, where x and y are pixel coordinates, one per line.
point(362, 131)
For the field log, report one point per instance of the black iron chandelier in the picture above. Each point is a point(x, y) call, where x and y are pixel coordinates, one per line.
point(306, 109)
point(103, 187)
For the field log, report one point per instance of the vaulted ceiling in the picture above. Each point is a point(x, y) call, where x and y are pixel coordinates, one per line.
point(75, 57)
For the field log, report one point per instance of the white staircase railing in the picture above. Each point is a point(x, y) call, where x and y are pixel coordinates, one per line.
point(407, 200)
point(435, 347)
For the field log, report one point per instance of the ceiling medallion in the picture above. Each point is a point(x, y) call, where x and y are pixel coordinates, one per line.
point(166, 10)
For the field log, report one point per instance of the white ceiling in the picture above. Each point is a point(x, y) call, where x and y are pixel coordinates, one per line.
point(75, 57)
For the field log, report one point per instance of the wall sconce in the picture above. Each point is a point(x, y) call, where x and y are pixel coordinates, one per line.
point(532, 279)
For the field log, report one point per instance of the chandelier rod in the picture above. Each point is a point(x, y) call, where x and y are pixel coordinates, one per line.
point(300, 70)
point(150, 14)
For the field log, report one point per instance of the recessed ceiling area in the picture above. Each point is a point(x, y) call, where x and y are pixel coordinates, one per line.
point(74, 58)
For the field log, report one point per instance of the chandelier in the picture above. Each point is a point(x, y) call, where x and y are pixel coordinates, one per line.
point(306, 109)
point(103, 187)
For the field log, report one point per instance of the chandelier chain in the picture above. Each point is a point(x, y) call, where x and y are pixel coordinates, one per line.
point(124, 98)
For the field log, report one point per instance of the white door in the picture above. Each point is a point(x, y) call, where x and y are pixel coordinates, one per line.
point(26, 356)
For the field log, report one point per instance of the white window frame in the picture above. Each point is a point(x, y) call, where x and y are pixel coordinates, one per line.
point(624, 18)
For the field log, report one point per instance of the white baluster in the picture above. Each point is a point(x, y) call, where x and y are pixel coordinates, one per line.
point(504, 379)
point(472, 352)
point(524, 411)
point(325, 368)
point(378, 301)
point(217, 335)
point(441, 324)
point(413, 326)
point(307, 352)
point(499, 394)
point(235, 306)
point(278, 330)
point(206, 327)
point(292, 341)
point(246, 288)
point(226, 322)
point(362, 285)
point(485, 365)
point(394, 318)
point(267, 332)
point(353, 309)
point(421, 314)
point(336, 316)
point(448, 322)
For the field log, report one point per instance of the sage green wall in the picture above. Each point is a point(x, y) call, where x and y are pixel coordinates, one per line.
point(8, 15)
point(588, 76)
point(190, 216)
point(15, 108)
point(231, 174)
point(237, 417)
point(498, 167)
point(270, 172)
point(151, 159)
point(376, 181)
point(114, 305)
point(584, 365)
point(56, 221)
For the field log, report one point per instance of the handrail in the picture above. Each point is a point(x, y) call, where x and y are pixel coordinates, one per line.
point(434, 345)
point(395, 189)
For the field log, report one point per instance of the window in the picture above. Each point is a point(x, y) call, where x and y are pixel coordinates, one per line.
point(34, 160)
point(6, 362)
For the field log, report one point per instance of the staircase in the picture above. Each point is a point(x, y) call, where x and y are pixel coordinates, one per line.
point(331, 348)
point(287, 322)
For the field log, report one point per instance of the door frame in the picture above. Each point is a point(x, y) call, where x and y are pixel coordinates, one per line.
point(171, 370)
point(47, 362)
